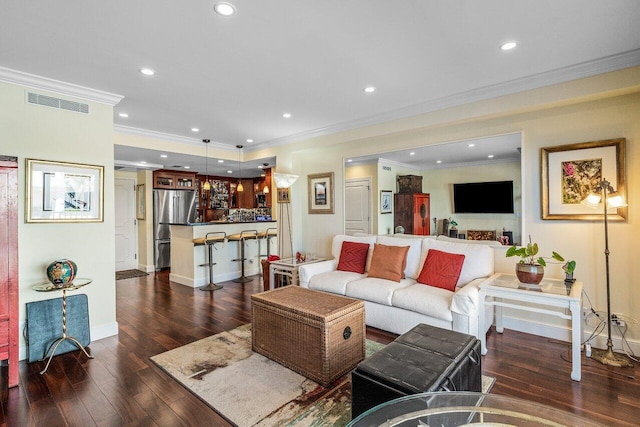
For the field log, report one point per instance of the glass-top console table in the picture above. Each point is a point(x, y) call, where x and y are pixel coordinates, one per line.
point(49, 287)
point(453, 409)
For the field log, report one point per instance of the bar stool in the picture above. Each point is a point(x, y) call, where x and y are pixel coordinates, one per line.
point(210, 240)
point(241, 238)
point(267, 235)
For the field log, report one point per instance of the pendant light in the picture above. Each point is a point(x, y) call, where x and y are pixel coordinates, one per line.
point(206, 186)
point(240, 187)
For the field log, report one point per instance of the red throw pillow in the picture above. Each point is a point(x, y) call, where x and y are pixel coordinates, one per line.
point(441, 270)
point(353, 257)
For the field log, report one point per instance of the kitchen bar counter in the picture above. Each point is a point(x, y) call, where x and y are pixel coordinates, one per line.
point(187, 257)
point(198, 224)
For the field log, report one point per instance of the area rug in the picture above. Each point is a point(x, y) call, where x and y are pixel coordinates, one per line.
point(249, 389)
point(128, 274)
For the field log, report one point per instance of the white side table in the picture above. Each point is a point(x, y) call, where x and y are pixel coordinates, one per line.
point(505, 290)
point(288, 267)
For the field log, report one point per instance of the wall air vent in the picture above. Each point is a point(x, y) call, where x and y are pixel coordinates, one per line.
point(62, 104)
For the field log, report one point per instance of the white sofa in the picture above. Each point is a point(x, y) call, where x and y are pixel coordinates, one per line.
point(397, 307)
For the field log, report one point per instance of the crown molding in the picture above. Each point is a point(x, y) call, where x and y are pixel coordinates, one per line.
point(50, 85)
point(169, 137)
point(561, 75)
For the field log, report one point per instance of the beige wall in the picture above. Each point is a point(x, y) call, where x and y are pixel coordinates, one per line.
point(146, 261)
point(31, 131)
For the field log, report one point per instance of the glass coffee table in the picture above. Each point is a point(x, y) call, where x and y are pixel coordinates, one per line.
point(449, 409)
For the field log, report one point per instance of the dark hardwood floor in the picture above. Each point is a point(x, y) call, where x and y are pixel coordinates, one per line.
point(121, 386)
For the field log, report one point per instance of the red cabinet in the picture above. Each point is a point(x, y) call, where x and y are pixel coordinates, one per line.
point(9, 265)
point(412, 211)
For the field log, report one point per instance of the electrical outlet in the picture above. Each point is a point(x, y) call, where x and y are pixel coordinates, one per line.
point(617, 320)
point(585, 313)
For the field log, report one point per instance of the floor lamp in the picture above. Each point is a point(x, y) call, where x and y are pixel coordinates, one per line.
point(283, 183)
point(604, 192)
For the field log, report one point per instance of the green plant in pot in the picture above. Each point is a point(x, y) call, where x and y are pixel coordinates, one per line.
point(530, 268)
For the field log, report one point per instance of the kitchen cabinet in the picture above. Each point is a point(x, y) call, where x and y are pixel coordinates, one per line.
point(214, 203)
point(263, 198)
point(173, 180)
point(412, 211)
point(246, 198)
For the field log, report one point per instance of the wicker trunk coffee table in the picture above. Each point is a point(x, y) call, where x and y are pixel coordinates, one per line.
point(316, 334)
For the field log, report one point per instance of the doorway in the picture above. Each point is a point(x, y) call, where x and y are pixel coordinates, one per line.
point(125, 224)
point(357, 202)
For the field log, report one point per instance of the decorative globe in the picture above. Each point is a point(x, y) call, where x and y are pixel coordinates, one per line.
point(400, 229)
point(61, 272)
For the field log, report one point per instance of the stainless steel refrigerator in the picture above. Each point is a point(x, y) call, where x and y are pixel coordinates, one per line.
point(169, 207)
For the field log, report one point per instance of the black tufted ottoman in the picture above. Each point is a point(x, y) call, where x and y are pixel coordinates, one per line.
point(424, 359)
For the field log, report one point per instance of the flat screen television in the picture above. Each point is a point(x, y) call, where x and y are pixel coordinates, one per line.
point(483, 197)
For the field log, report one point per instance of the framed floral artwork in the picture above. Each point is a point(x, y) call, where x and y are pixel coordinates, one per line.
point(571, 172)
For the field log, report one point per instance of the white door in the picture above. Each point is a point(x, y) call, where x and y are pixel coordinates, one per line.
point(126, 236)
point(357, 201)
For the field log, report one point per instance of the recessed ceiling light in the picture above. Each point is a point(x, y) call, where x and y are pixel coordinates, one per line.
point(412, 153)
point(349, 160)
point(187, 167)
point(249, 141)
point(224, 9)
point(229, 171)
point(195, 130)
point(369, 89)
point(438, 161)
point(147, 71)
point(220, 161)
point(124, 115)
point(260, 166)
point(472, 145)
point(143, 162)
point(508, 46)
point(164, 156)
point(490, 156)
point(286, 115)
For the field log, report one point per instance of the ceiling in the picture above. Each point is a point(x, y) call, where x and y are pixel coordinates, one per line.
point(234, 77)
point(480, 151)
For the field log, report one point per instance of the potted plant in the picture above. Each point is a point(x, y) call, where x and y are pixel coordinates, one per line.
point(530, 269)
point(569, 267)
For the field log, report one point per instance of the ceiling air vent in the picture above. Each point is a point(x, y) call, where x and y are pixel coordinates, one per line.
point(62, 104)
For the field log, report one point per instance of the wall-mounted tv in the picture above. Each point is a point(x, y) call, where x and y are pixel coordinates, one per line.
point(483, 197)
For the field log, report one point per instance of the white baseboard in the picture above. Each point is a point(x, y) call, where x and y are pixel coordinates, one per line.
point(202, 281)
point(147, 268)
point(97, 333)
point(564, 333)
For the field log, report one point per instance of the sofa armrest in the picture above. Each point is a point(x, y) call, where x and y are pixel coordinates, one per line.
point(466, 299)
point(307, 271)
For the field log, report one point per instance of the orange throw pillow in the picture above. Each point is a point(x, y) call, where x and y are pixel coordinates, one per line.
point(388, 262)
point(441, 270)
point(353, 257)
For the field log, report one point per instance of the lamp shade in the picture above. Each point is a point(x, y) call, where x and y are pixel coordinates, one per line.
point(592, 200)
point(615, 200)
point(284, 180)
